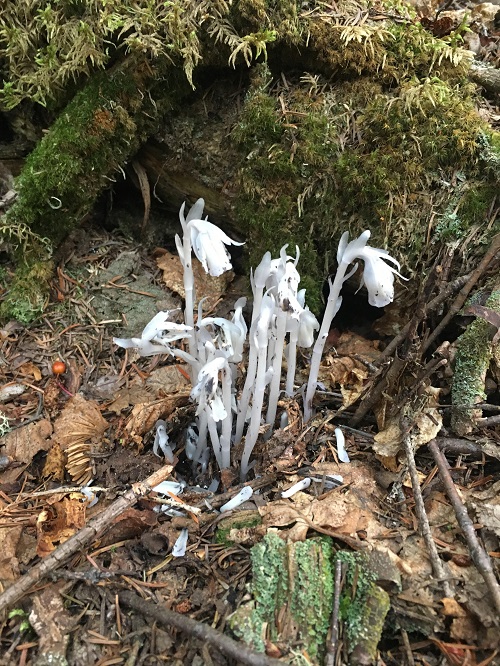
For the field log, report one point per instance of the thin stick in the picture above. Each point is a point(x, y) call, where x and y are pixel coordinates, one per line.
point(450, 289)
point(331, 648)
point(82, 538)
point(479, 556)
point(227, 646)
point(465, 291)
point(423, 521)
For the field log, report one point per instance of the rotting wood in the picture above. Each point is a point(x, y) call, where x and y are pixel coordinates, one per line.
point(82, 538)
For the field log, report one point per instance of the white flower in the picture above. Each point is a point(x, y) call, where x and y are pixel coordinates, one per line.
point(208, 391)
point(230, 335)
point(156, 336)
point(378, 276)
point(307, 325)
point(208, 242)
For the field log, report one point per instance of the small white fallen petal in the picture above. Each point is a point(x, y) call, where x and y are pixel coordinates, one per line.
point(166, 487)
point(91, 497)
point(179, 549)
point(300, 485)
point(244, 495)
point(341, 450)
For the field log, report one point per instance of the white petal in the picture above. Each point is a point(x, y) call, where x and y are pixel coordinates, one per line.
point(300, 485)
point(196, 210)
point(379, 280)
point(244, 494)
point(180, 249)
point(157, 324)
point(180, 545)
point(341, 450)
point(342, 246)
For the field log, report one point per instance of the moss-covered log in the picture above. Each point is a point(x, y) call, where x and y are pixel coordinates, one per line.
point(356, 121)
point(98, 132)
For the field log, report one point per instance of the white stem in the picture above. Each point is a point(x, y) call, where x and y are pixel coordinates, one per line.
point(244, 401)
point(255, 416)
point(291, 361)
point(189, 295)
point(214, 436)
point(332, 308)
point(277, 362)
point(227, 423)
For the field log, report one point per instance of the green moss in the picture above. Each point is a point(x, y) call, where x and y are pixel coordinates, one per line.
point(240, 521)
point(364, 610)
point(28, 294)
point(99, 130)
point(292, 582)
point(472, 359)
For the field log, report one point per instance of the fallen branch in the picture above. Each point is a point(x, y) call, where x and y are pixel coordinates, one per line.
point(82, 538)
point(479, 556)
point(224, 644)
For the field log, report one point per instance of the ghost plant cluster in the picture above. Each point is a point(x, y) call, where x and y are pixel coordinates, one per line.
point(280, 323)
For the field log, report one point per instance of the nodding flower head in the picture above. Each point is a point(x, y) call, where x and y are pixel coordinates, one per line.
point(378, 276)
point(156, 336)
point(209, 245)
point(207, 391)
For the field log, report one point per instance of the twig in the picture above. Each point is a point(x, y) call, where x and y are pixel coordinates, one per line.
point(79, 540)
point(225, 645)
point(450, 289)
point(423, 521)
point(331, 648)
point(457, 446)
point(410, 661)
point(479, 556)
point(488, 421)
point(465, 291)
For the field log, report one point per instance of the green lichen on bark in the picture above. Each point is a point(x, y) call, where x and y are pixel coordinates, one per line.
point(363, 608)
point(292, 582)
point(472, 359)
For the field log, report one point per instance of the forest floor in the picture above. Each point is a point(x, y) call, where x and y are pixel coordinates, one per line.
point(95, 421)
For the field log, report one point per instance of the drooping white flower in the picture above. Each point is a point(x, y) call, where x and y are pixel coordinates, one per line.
point(156, 336)
point(207, 391)
point(209, 245)
point(378, 276)
point(307, 325)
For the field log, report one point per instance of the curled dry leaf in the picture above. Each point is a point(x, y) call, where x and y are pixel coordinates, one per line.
point(56, 523)
point(145, 415)
point(54, 463)
point(427, 424)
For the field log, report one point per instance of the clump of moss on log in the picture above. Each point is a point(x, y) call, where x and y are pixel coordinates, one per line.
point(292, 581)
point(473, 356)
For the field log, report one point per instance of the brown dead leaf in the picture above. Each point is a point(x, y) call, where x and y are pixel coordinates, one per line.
point(169, 379)
point(24, 443)
point(145, 415)
point(54, 463)
point(132, 395)
point(79, 421)
point(211, 287)
point(452, 608)
point(9, 564)
point(427, 424)
point(29, 369)
point(129, 525)
point(58, 522)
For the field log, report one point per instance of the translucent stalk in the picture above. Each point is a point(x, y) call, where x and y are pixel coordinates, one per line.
point(291, 360)
point(227, 423)
point(274, 390)
point(332, 307)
